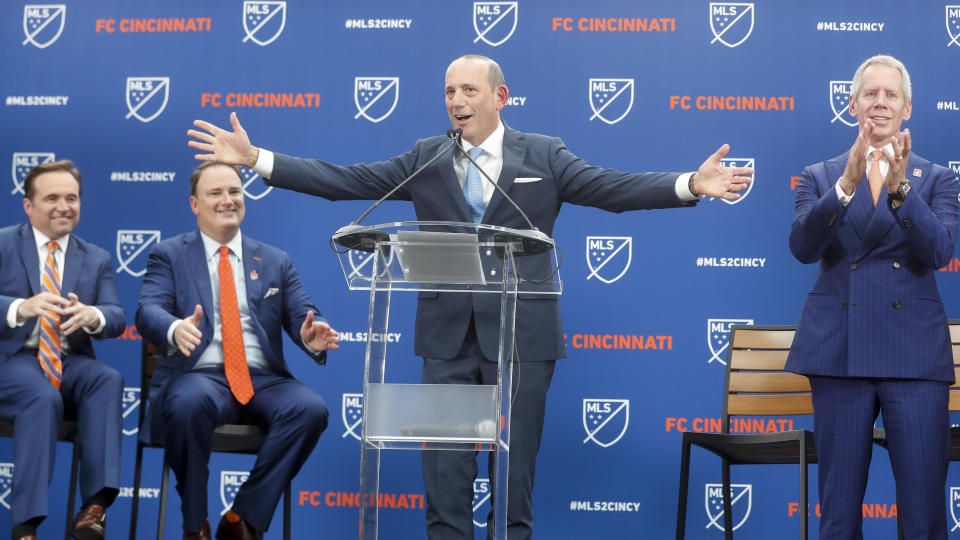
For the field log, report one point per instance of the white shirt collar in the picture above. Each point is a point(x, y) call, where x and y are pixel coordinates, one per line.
point(211, 246)
point(42, 240)
point(493, 144)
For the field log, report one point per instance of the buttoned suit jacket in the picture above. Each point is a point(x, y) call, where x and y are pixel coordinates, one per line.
point(86, 272)
point(177, 279)
point(551, 175)
point(874, 310)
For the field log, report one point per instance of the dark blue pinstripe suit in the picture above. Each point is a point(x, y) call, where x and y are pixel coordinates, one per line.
point(873, 335)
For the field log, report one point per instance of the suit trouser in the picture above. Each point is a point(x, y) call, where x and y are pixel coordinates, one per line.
point(195, 403)
point(916, 420)
point(89, 390)
point(448, 475)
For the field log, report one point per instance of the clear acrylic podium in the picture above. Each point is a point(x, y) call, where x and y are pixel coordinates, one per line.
point(458, 258)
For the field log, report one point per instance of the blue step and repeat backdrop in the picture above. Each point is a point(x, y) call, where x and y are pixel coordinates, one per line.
point(648, 296)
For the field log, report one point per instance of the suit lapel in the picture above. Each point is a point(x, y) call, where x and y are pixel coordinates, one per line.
point(514, 150)
point(28, 254)
point(72, 263)
point(252, 274)
point(201, 275)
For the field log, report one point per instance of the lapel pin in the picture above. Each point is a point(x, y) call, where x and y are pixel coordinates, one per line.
point(254, 275)
point(917, 172)
point(257, 258)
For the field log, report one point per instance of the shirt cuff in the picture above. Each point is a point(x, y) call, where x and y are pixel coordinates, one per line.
point(103, 322)
point(682, 188)
point(173, 327)
point(264, 165)
point(12, 314)
point(844, 198)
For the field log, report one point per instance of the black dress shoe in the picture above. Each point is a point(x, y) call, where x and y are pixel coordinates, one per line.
point(236, 529)
point(90, 523)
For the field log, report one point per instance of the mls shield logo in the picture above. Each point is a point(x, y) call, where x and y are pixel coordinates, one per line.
point(739, 162)
point(494, 22)
point(43, 23)
point(481, 501)
point(147, 97)
point(713, 498)
point(610, 99)
point(130, 245)
point(23, 162)
point(352, 414)
point(953, 24)
point(263, 21)
point(131, 400)
point(731, 22)
point(254, 186)
point(609, 257)
point(362, 263)
point(840, 102)
point(6, 483)
point(605, 420)
point(372, 97)
point(230, 482)
point(718, 336)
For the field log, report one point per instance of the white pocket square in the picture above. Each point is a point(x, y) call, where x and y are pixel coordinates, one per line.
point(527, 180)
point(270, 292)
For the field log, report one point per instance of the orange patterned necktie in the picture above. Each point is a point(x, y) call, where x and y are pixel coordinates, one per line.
point(874, 176)
point(48, 346)
point(234, 354)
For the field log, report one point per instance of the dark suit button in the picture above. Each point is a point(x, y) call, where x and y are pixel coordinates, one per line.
point(896, 264)
point(897, 305)
point(846, 305)
point(853, 266)
point(907, 222)
point(832, 220)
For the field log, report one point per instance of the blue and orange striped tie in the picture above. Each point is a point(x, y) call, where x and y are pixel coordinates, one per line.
point(48, 352)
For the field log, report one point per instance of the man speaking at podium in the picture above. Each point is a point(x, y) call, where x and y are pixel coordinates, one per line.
point(458, 334)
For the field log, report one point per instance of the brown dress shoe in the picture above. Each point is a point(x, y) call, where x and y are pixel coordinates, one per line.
point(233, 527)
point(28, 537)
point(90, 523)
point(204, 533)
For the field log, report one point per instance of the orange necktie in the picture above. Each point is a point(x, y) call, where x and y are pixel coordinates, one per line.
point(234, 354)
point(874, 176)
point(48, 347)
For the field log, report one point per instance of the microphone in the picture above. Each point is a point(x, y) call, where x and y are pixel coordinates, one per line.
point(365, 238)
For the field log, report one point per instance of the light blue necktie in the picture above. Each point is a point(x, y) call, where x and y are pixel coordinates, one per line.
point(473, 187)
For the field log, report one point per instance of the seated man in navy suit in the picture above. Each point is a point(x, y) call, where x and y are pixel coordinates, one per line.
point(457, 334)
point(57, 292)
point(873, 334)
point(217, 302)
